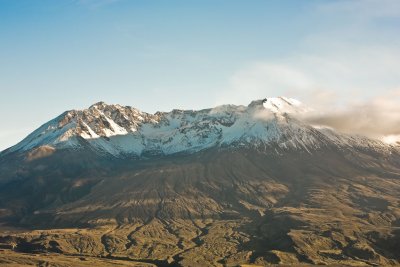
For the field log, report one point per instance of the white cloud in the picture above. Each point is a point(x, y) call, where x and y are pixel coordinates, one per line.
point(258, 79)
point(345, 73)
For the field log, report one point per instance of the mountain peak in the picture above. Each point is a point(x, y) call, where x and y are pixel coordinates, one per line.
point(98, 104)
point(279, 104)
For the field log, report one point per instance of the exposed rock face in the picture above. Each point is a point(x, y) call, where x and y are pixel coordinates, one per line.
point(223, 186)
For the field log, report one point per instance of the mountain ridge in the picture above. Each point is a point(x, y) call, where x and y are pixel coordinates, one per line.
point(123, 130)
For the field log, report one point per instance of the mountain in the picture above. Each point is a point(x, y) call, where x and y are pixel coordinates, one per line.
point(224, 186)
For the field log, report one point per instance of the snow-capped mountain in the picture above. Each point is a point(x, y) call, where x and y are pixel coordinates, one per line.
point(258, 183)
point(122, 130)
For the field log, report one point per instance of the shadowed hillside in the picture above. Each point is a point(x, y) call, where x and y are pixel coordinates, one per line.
point(216, 207)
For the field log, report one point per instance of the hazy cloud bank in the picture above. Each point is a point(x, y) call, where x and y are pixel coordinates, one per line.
point(376, 117)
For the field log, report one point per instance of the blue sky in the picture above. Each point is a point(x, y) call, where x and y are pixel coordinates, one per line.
point(159, 55)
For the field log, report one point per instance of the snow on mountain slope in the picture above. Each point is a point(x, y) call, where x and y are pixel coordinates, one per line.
point(120, 130)
point(391, 139)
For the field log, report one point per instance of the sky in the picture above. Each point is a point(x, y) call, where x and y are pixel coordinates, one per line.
point(159, 55)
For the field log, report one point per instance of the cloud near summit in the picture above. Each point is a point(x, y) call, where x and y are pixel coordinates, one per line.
point(377, 117)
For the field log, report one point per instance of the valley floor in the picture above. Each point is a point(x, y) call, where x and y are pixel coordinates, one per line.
point(200, 243)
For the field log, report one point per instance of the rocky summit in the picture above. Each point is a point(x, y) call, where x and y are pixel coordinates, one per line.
point(226, 186)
